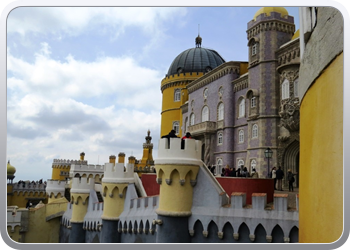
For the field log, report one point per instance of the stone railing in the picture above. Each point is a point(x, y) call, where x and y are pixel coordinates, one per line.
point(202, 128)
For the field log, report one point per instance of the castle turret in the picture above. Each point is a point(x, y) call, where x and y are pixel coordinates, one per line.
point(80, 193)
point(55, 189)
point(177, 171)
point(114, 185)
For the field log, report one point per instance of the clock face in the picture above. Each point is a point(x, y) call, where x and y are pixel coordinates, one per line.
point(205, 93)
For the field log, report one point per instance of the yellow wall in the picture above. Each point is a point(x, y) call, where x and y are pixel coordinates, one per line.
point(56, 172)
point(113, 203)
point(181, 203)
point(15, 235)
point(171, 111)
point(20, 199)
point(321, 158)
point(40, 230)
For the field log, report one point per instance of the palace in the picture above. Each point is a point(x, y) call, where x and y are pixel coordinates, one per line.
point(279, 99)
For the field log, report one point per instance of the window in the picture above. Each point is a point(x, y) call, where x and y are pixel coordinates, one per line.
point(285, 89)
point(241, 111)
point(218, 166)
point(220, 138)
point(253, 102)
point(221, 112)
point(255, 131)
point(221, 91)
point(205, 114)
point(252, 165)
point(205, 93)
point(240, 163)
point(176, 127)
point(254, 49)
point(192, 119)
point(241, 136)
point(296, 90)
point(177, 95)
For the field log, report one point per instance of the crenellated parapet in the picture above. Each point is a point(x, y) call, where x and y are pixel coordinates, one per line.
point(28, 186)
point(64, 162)
point(55, 187)
point(276, 221)
point(117, 173)
point(116, 179)
point(86, 170)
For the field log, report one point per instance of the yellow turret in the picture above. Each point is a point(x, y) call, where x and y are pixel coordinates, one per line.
point(177, 171)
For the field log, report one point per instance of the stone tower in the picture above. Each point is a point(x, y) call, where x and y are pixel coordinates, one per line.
point(270, 28)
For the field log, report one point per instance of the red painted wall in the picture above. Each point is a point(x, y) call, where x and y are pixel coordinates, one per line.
point(248, 186)
point(229, 184)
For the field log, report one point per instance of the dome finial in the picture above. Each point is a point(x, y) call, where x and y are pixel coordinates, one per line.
point(198, 40)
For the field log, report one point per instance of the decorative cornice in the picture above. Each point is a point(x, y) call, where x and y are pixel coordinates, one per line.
point(274, 25)
point(218, 72)
point(240, 83)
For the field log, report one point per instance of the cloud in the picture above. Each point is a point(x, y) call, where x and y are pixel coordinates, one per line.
point(122, 77)
point(73, 21)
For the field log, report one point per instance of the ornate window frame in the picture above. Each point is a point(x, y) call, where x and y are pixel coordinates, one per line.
point(177, 95)
point(221, 111)
point(255, 131)
point(205, 113)
point(220, 137)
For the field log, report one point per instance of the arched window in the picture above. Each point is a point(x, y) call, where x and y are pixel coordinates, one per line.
point(241, 136)
point(218, 166)
point(252, 165)
point(255, 131)
point(221, 112)
point(253, 102)
point(176, 127)
point(177, 95)
point(205, 114)
point(241, 111)
point(296, 90)
point(220, 138)
point(285, 89)
point(254, 49)
point(192, 119)
point(240, 163)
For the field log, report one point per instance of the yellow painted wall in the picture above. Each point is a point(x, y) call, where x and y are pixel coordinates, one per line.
point(113, 203)
point(14, 234)
point(321, 158)
point(181, 203)
point(20, 199)
point(171, 111)
point(40, 230)
point(243, 68)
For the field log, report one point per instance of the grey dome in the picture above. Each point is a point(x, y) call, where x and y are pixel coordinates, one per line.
point(195, 60)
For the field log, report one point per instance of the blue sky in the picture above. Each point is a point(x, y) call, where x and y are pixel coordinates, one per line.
point(88, 79)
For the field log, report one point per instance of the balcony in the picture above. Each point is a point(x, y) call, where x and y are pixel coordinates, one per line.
point(202, 128)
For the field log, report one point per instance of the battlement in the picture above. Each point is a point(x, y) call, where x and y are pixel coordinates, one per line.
point(117, 173)
point(68, 162)
point(170, 152)
point(55, 187)
point(86, 169)
point(82, 185)
point(28, 186)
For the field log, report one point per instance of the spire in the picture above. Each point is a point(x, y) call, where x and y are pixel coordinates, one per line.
point(198, 40)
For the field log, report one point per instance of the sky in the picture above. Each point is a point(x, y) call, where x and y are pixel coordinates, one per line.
point(87, 79)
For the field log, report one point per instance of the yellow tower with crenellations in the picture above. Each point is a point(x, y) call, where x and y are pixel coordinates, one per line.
point(186, 67)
